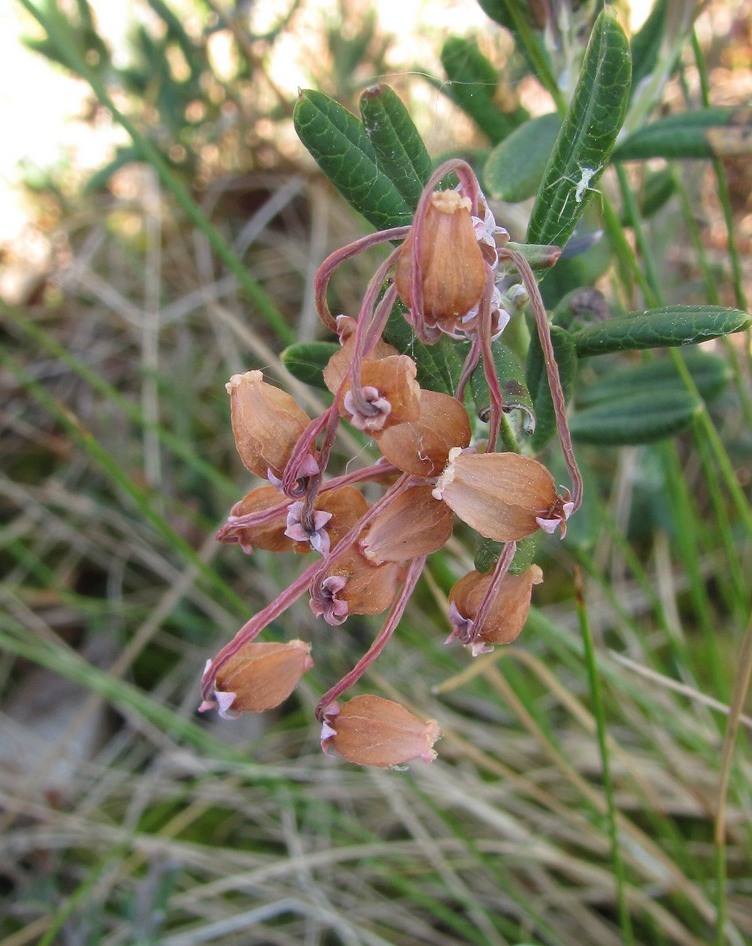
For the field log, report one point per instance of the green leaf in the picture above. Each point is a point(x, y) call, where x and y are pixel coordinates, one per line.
point(473, 81)
point(641, 417)
point(307, 360)
point(659, 188)
point(400, 151)
point(566, 359)
point(487, 554)
point(661, 377)
point(703, 133)
point(587, 135)
point(515, 167)
point(514, 392)
point(339, 144)
point(655, 328)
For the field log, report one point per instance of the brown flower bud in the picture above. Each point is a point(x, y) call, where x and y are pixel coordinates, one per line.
point(451, 265)
point(369, 730)
point(335, 512)
point(415, 524)
point(503, 496)
point(421, 447)
point(388, 394)
point(259, 677)
point(352, 585)
point(266, 423)
point(505, 615)
point(338, 365)
point(269, 535)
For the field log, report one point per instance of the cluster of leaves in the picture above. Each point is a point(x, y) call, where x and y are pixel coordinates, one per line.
point(379, 163)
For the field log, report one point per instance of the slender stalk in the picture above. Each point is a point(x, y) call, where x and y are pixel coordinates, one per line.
point(379, 643)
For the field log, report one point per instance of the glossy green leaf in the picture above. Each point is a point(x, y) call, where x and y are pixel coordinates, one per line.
point(400, 151)
point(640, 417)
point(703, 133)
point(514, 393)
point(587, 135)
point(655, 328)
point(473, 81)
point(343, 151)
point(515, 167)
point(710, 374)
point(307, 360)
point(537, 381)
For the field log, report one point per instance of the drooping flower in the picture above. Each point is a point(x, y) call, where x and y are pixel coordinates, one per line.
point(265, 519)
point(503, 496)
point(370, 730)
point(450, 268)
point(266, 422)
point(258, 677)
point(338, 366)
point(387, 395)
point(503, 616)
point(350, 584)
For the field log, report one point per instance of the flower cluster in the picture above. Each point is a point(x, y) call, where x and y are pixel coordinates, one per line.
point(449, 271)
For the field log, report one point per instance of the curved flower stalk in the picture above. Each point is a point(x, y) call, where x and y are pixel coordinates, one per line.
point(453, 271)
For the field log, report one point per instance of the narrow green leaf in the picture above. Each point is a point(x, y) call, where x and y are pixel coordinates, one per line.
point(566, 359)
point(339, 144)
point(473, 81)
point(587, 135)
point(515, 167)
point(655, 328)
point(642, 417)
point(710, 373)
point(659, 188)
point(703, 133)
point(307, 360)
point(400, 151)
